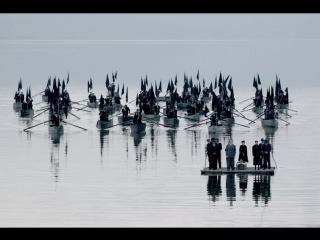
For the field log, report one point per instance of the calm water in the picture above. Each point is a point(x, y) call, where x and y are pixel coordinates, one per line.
point(114, 178)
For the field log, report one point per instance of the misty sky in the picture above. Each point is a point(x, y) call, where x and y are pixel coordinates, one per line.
point(158, 26)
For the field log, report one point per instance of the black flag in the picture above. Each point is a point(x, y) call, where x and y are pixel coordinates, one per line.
point(146, 80)
point(115, 75)
point(90, 83)
point(137, 101)
point(215, 83)
point(198, 75)
point(142, 86)
point(68, 78)
point(127, 95)
point(107, 81)
point(259, 82)
point(122, 91)
point(63, 85)
point(230, 84)
point(156, 89)
point(118, 89)
point(203, 83)
point(160, 87)
point(255, 83)
point(176, 81)
point(210, 88)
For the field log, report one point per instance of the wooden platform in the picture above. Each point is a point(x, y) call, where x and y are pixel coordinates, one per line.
point(250, 170)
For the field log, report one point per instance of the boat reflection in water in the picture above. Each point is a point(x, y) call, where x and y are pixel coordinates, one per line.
point(172, 135)
point(261, 187)
point(54, 154)
point(140, 151)
point(104, 137)
point(194, 137)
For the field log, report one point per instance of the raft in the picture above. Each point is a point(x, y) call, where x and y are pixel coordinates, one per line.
point(224, 170)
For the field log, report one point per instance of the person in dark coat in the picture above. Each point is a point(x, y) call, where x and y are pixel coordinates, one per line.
point(214, 152)
point(266, 149)
point(16, 97)
point(261, 153)
point(22, 97)
point(256, 153)
point(243, 153)
point(219, 152)
point(209, 153)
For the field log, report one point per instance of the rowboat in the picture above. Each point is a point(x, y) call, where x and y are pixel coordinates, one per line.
point(117, 106)
point(171, 122)
point(27, 113)
point(92, 104)
point(44, 98)
point(17, 106)
point(206, 99)
point(110, 108)
point(194, 117)
point(227, 121)
point(138, 128)
point(125, 119)
point(216, 128)
point(162, 98)
point(257, 109)
point(55, 129)
point(270, 122)
point(224, 170)
point(153, 117)
point(282, 106)
point(182, 105)
point(104, 124)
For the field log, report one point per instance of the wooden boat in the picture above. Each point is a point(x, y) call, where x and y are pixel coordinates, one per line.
point(137, 128)
point(227, 121)
point(194, 117)
point(104, 124)
point(171, 122)
point(257, 109)
point(224, 170)
point(44, 98)
point(152, 117)
point(282, 106)
point(55, 129)
point(270, 122)
point(117, 106)
point(162, 98)
point(92, 104)
point(110, 108)
point(125, 119)
point(17, 106)
point(27, 113)
point(216, 128)
point(206, 99)
point(182, 105)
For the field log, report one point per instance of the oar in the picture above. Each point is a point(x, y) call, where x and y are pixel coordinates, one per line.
point(259, 115)
point(74, 125)
point(243, 117)
point(237, 124)
point(81, 109)
point(36, 125)
point(246, 100)
point(291, 109)
point(79, 101)
point(73, 115)
point(38, 103)
point(248, 106)
point(37, 94)
point(42, 109)
point(238, 111)
point(195, 125)
point(40, 113)
point(163, 125)
point(284, 121)
point(79, 104)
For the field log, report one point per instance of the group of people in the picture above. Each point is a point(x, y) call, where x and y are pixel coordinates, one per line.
point(260, 153)
point(137, 117)
point(92, 97)
point(104, 114)
point(19, 97)
point(105, 102)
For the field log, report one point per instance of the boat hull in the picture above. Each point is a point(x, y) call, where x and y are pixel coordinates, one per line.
point(55, 129)
point(17, 106)
point(92, 104)
point(171, 122)
point(257, 109)
point(194, 117)
point(215, 129)
point(270, 122)
point(283, 106)
point(162, 98)
point(206, 99)
point(227, 121)
point(152, 117)
point(27, 113)
point(182, 105)
point(117, 106)
point(44, 98)
point(137, 128)
point(125, 119)
point(104, 124)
